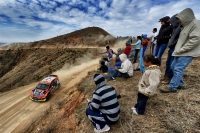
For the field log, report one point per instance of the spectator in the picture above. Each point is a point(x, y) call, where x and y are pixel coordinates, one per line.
point(137, 47)
point(153, 40)
point(125, 71)
point(172, 43)
point(148, 83)
point(186, 49)
point(144, 44)
point(127, 50)
point(104, 109)
point(104, 65)
point(109, 52)
point(163, 36)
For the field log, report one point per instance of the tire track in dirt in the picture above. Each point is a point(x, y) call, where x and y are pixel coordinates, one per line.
point(17, 111)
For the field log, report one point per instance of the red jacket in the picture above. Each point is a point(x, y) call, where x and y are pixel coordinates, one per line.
point(127, 50)
point(145, 42)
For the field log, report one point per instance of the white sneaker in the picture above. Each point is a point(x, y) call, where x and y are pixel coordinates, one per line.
point(105, 129)
point(135, 112)
point(133, 108)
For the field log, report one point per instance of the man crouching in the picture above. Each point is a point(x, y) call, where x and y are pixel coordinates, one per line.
point(104, 109)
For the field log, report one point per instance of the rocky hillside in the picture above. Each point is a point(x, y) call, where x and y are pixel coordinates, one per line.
point(90, 37)
point(21, 63)
point(23, 66)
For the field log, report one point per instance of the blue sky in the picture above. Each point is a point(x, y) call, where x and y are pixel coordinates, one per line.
point(32, 20)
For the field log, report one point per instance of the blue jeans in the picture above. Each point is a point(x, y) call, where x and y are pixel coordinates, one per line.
point(142, 68)
point(96, 118)
point(119, 74)
point(178, 66)
point(116, 73)
point(170, 58)
point(160, 49)
point(143, 51)
point(141, 103)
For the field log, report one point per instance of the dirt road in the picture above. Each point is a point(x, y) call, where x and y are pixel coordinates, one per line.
point(17, 111)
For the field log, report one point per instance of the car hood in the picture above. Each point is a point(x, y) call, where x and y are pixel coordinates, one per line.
point(37, 92)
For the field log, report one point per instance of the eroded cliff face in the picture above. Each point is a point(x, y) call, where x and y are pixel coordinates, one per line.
point(24, 66)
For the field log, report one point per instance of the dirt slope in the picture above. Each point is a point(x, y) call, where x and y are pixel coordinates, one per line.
point(18, 112)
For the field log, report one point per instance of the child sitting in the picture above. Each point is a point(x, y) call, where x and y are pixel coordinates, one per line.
point(104, 65)
point(148, 83)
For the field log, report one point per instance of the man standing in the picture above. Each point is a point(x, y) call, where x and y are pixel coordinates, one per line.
point(163, 37)
point(153, 40)
point(187, 48)
point(171, 45)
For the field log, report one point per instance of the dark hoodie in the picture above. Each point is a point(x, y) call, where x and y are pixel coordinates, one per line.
point(176, 32)
point(105, 100)
point(164, 32)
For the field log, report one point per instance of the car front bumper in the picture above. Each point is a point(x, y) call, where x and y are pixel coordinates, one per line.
point(38, 100)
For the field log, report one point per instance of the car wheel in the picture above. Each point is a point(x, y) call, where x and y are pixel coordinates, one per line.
point(48, 97)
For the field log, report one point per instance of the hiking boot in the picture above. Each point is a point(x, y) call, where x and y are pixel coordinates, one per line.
point(163, 78)
point(180, 87)
point(111, 79)
point(166, 80)
point(167, 90)
point(105, 129)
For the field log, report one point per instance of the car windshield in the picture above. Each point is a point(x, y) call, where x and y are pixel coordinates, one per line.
point(42, 86)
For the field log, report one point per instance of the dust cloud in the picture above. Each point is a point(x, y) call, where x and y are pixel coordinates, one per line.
point(82, 64)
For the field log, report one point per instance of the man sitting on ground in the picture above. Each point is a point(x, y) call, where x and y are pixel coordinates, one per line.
point(125, 71)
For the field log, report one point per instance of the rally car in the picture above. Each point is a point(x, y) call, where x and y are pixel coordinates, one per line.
point(45, 87)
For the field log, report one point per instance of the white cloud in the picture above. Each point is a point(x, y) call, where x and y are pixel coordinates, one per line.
point(91, 9)
point(120, 18)
point(103, 4)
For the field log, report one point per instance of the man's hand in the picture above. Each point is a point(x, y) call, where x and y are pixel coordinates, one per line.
point(88, 100)
point(116, 68)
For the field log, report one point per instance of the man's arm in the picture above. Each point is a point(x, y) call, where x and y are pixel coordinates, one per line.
point(193, 41)
point(95, 103)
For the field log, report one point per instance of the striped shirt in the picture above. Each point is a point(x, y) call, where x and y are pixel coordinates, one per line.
point(105, 100)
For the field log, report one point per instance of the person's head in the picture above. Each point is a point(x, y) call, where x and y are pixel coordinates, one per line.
point(164, 21)
point(154, 30)
point(99, 80)
point(107, 47)
point(174, 21)
point(144, 36)
point(119, 50)
point(151, 60)
point(122, 57)
point(179, 21)
point(128, 43)
point(102, 62)
point(139, 38)
point(185, 17)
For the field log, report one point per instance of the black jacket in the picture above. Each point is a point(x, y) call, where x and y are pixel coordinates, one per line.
point(164, 34)
point(175, 33)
